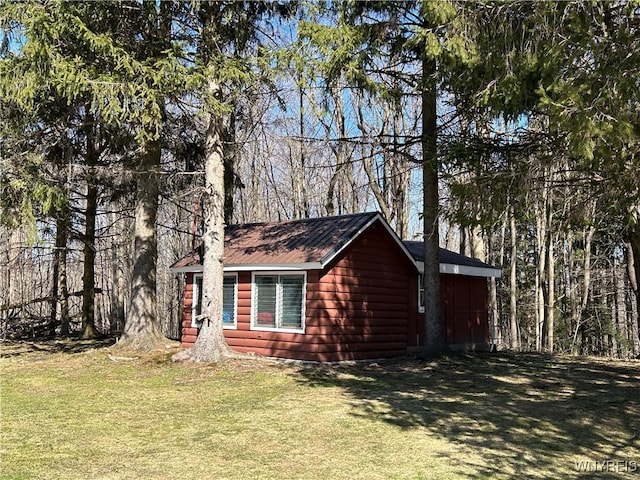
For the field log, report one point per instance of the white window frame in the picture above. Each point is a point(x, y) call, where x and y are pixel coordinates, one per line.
point(422, 290)
point(194, 302)
point(278, 274)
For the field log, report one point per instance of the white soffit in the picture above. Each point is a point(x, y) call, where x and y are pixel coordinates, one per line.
point(452, 269)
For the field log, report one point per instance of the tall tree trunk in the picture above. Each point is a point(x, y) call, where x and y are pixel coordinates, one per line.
point(88, 277)
point(434, 339)
point(211, 346)
point(620, 313)
point(541, 252)
point(634, 267)
point(368, 162)
point(586, 287)
point(513, 286)
point(89, 249)
point(495, 324)
point(302, 171)
point(571, 286)
point(60, 292)
point(476, 241)
point(634, 325)
point(142, 329)
point(338, 148)
point(118, 254)
point(550, 315)
point(230, 176)
point(55, 275)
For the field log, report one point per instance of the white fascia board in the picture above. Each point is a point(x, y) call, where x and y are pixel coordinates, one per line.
point(295, 267)
point(393, 234)
point(452, 269)
point(302, 267)
point(189, 269)
point(470, 271)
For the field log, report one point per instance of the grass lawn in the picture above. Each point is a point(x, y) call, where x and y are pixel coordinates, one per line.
point(69, 412)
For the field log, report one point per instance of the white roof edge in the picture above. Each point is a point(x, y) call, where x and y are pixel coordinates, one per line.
point(451, 269)
point(189, 269)
point(386, 225)
point(254, 267)
point(470, 271)
point(273, 267)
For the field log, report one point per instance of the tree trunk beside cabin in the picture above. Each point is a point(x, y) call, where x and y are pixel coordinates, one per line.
point(211, 346)
point(434, 343)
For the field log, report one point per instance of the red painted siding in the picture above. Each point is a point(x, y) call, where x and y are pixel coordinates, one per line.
point(465, 309)
point(189, 333)
point(465, 313)
point(357, 308)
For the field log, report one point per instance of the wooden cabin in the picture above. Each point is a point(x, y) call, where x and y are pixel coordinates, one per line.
point(334, 289)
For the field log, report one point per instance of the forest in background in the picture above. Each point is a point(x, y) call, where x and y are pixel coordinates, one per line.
point(321, 110)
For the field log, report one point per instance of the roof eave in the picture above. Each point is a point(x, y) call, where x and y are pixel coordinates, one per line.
point(187, 269)
point(269, 267)
point(466, 270)
point(257, 267)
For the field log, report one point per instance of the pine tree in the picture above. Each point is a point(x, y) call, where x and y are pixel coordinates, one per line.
point(412, 46)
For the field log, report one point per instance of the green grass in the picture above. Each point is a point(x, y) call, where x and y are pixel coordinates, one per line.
point(68, 412)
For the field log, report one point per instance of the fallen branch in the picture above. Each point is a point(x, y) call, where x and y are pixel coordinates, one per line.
point(42, 299)
point(113, 358)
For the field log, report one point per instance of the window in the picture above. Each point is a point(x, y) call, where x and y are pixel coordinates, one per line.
point(229, 295)
point(421, 293)
point(278, 301)
point(196, 307)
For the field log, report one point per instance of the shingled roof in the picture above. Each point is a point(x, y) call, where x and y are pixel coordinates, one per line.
point(312, 243)
point(303, 244)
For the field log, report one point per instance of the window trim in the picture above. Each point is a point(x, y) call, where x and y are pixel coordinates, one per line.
point(303, 312)
point(233, 326)
point(195, 294)
point(195, 303)
point(421, 288)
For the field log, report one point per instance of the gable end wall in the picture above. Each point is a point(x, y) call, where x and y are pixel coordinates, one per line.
point(360, 308)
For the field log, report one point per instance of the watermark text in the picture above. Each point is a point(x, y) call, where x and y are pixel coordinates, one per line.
point(611, 466)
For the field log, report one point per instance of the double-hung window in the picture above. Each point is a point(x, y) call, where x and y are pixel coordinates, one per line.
point(229, 296)
point(278, 302)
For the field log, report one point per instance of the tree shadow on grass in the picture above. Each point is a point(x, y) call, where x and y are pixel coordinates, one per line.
point(525, 414)
point(60, 345)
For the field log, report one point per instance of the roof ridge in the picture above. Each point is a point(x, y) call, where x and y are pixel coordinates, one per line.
point(301, 220)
